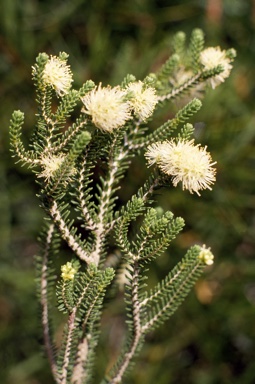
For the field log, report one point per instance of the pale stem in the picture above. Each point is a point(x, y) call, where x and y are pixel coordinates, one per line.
point(146, 327)
point(79, 372)
point(90, 224)
point(66, 234)
point(26, 159)
point(175, 92)
point(45, 307)
point(49, 123)
point(71, 328)
point(69, 136)
point(78, 376)
point(156, 293)
point(102, 227)
point(137, 328)
point(130, 142)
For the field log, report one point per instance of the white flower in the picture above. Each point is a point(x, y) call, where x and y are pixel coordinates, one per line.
point(206, 255)
point(107, 107)
point(154, 153)
point(58, 75)
point(68, 271)
point(185, 162)
point(143, 99)
point(51, 163)
point(212, 57)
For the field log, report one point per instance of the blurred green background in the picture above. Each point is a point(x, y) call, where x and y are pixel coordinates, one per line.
point(211, 339)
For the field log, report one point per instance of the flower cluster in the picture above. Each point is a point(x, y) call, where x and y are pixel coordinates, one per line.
point(107, 106)
point(50, 164)
point(68, 271)
point(212, 57)
point(110, 108)
point(58, 75)
point(143, 99)
point(185, 162)
point(206, 255)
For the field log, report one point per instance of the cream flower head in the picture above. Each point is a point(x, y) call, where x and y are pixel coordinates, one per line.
point(50, 163)
point(68, 271)
point(206, 255)
point(185, 162)
point(143, 99)
point(58, 75)
point(212, 57)
point(107, 107)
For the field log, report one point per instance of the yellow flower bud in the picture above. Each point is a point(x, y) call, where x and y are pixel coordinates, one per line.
point(68, 271)
point(206, 255)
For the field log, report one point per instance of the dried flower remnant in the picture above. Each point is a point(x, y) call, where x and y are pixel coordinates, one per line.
point(58, 75)
point(108, 108)
point(143, 99)
point(212, 57)
point(185, 162)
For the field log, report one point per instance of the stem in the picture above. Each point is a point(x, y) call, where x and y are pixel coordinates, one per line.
point(105, 200)
point(138, 334)
point(83, 348)
point(155, 294)
point(66, 234)
point(45, 307)
point(79, 373)
point(71, 328)
point(89, 222)
point(149, 325)
point(176, 91)
point(69, 136)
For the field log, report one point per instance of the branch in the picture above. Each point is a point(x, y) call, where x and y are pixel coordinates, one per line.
point(71, 240)
point(138, 333)
point(45, 308)
point(105, 200)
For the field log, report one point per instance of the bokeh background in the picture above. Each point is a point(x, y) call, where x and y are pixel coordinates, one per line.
point(211, 339)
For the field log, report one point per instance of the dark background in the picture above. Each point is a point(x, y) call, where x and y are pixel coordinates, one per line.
point(210, 339)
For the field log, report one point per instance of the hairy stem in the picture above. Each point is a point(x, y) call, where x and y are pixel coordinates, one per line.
point(182, 88)
point(69, 135)
point(79, 374)
point(67, 235)
point(149, 324)
point(45, 307)
point(89, 221)
point(71, 329)
point(103, 226)
point(137, 336)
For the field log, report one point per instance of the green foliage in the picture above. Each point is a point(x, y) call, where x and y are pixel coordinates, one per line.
point(163, 300)
point(17, 146)
point(82, 298)
point(67, 151)
point(195, 48)
point(168, 68)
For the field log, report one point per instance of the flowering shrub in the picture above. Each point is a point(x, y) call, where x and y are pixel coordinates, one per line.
point(111, 128)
